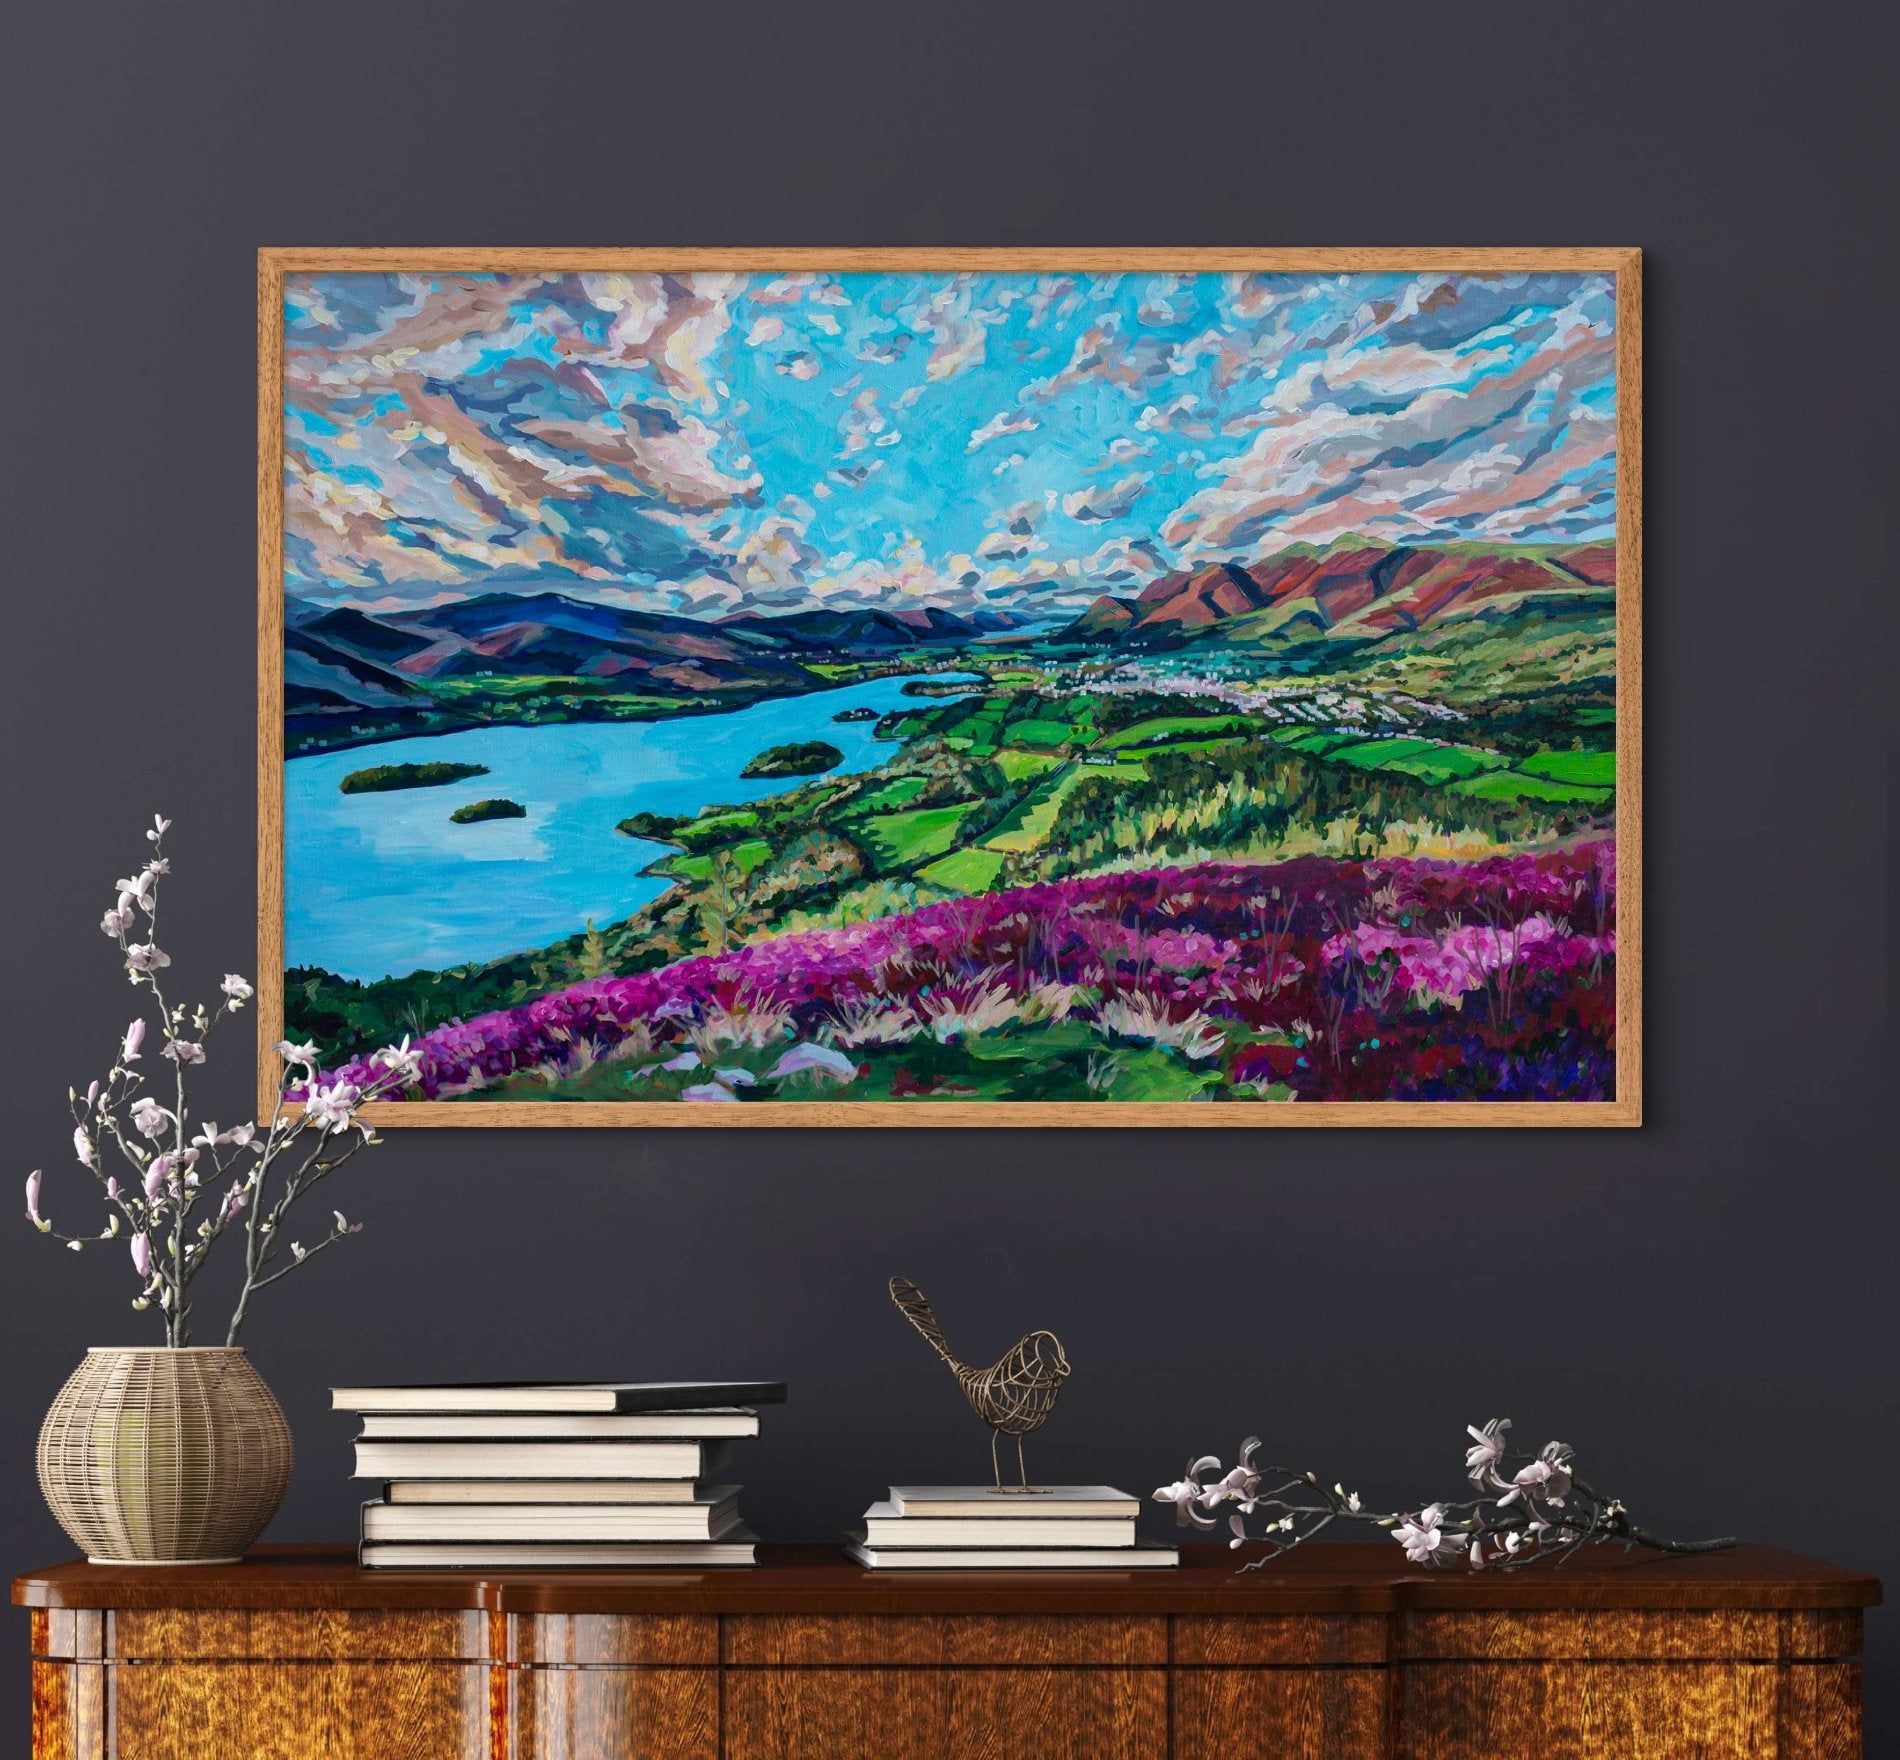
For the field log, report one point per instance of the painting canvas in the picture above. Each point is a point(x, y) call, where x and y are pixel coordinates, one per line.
point(885, 687)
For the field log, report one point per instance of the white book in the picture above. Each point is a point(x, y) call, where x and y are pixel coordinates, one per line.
point(737, 1548)
point(639, 1491)
point(986, 1500)
point(1143, 1555)
point(539, 1460)
point(711, 1519)
point(559, 1396)
point(549, 1426)
point(883, 1526)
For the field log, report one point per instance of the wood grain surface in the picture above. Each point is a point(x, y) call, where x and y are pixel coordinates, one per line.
point(1331, 1655)
point(933, 1714)
point(1350, 1578)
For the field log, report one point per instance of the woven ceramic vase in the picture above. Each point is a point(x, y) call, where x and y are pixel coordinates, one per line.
point(164, 1456)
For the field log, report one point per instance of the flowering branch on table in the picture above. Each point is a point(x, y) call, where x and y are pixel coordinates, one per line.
point(1543, 1510)
point(170, 1167)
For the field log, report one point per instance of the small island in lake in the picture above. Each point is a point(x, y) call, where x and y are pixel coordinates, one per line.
point(855, 715)
point(476, 811)
point(811, 757)
point(387, 776)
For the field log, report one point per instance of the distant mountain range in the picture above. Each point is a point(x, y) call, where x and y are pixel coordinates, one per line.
point(342, 661)
point(1350, 592)
point(352, 675)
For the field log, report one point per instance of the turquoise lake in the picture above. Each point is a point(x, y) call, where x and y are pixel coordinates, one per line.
point(380, 885)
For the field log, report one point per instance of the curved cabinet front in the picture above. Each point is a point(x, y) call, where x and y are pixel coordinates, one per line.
point(809, 1658)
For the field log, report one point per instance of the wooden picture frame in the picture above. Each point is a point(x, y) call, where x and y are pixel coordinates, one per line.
point(276, 265)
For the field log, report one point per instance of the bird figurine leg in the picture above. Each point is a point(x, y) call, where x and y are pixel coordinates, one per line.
point(1022, 1472)
point(996, 1468)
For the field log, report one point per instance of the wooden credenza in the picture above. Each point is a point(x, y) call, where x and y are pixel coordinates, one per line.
point(1333, 1655)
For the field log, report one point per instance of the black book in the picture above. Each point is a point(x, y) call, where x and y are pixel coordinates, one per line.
point(559, 1396)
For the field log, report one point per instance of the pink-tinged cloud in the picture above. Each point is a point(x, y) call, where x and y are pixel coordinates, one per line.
point(1360, 442)
point(956, 326)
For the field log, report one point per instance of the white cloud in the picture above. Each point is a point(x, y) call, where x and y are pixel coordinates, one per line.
point(1007, 421)
point(1110, 502)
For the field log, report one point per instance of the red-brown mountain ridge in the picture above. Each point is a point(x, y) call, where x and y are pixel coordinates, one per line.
point(1353, 590)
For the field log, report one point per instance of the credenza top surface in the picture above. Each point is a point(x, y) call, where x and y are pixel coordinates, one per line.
point(822, 1580)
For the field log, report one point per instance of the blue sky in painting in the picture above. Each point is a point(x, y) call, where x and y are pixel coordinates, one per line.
point(715, 443)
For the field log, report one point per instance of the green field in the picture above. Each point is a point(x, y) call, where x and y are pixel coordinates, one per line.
point(1506, 785)
point(964, 870)
point(1028, 826)
point(715, 828)
point(1019, 766)
point(1445, 763)
point(1042, 733)
point(901, 840)
point(746, 856)
point(900, 791)
point(1590, 769)
point(1164, 728)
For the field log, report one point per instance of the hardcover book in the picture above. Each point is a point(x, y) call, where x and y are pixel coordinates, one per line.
point(532, 1460)
point(559, 1396)
point(1143, 1555)
point(986, 1500)
point(541, 1491)
point(883, 1526)
point(551, 1426)
point(710, 1519)
point(739, 1547)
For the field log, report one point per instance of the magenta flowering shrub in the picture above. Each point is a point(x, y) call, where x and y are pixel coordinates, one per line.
point(1311, 979)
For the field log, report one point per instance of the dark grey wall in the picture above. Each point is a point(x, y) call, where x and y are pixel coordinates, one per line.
point(1706, 1308)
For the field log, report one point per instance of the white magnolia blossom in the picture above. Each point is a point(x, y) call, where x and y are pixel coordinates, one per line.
point(1424, 1539)
point(169, 1154)
point(1545, 1510)
point(332, 1108)
point(1546, 1479)
point(402, 1063)
point(139, 890)
point(1488, 1449)
point(1184, 1494)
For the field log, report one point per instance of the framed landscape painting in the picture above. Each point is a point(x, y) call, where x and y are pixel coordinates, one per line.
point(954, 686)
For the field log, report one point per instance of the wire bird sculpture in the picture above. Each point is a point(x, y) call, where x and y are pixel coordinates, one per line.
point(1014, 1395)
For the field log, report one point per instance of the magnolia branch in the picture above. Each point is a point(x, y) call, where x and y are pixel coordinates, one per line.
point(173, 1167)
point(1543, 1510)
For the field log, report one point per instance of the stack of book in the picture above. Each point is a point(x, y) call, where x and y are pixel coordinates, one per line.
point(521, 1475)
point(977, 1527)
